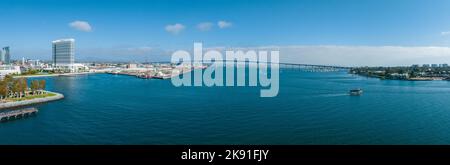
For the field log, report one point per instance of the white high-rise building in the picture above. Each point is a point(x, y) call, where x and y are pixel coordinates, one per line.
point(5, 56)
point(63, 53)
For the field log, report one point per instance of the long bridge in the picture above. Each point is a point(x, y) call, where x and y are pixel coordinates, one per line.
point(294, 66)
point(313, 68)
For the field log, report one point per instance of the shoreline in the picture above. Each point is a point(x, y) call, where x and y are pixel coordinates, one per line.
point(143, 76)
point(407, 79)
point(16, 104)
point(57, 74)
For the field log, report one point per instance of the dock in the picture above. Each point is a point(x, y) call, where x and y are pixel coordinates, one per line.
point(17, 114)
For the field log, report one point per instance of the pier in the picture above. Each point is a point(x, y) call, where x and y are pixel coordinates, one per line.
point(17, 114)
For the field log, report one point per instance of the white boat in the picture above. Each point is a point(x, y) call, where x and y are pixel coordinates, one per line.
point(356, 92)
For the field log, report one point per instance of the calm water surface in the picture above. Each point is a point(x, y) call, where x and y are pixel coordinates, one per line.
point(311, 108)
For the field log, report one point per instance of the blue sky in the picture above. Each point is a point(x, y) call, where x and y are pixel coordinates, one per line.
point(145, 30)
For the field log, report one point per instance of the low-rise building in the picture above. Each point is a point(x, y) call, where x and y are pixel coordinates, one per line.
point(9, 69)
point(399, 75)
point(131, 66)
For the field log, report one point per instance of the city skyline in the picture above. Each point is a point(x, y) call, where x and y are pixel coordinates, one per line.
point(319, 32)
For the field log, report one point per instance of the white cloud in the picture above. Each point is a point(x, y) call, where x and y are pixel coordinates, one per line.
point(175, 28)
point(205, 26)
point(81, 26)
point(445, 33)
point(224, 24)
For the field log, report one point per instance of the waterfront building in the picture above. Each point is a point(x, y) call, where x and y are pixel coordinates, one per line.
point(131, 66)
point(5, 56)
point(426, 65)
point(35, 62)
point(30, 62)
point(434, 65)
point(77, 67)
point(63, 54)
point(400, 76)
point(444, 65)
point(9, 69)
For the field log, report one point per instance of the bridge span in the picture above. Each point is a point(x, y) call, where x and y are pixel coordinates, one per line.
point(291, 66)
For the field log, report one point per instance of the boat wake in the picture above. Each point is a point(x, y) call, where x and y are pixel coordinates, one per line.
point(333, 95)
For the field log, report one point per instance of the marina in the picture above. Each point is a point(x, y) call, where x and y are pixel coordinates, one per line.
point(157, 71)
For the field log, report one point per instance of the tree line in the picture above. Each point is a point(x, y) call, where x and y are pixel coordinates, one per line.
point(18, 88)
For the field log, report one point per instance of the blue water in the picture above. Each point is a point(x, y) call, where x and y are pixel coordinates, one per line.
point(311, 108)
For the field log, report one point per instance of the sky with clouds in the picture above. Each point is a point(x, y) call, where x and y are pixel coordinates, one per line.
point(340, 32)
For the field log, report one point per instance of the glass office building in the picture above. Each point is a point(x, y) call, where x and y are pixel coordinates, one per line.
point(5, 56)
point(63, 53)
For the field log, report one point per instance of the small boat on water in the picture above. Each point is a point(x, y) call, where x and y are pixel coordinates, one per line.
point(356, 92)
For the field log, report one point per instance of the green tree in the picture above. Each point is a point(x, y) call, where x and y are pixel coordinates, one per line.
point(16, 87)
point(4, 91)
point(34, 85)
point(8, 80)
point(42, 85)
point(23, 86)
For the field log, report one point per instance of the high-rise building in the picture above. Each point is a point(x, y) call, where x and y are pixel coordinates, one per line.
point(63, 53)
point(5, 56)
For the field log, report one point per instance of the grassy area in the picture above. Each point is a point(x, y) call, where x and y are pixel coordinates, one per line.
point(29, 97)
point(32, 74)
point(27, 74)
